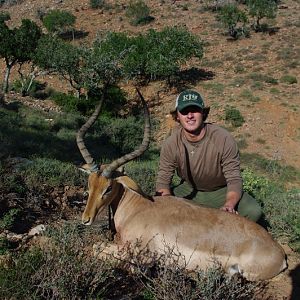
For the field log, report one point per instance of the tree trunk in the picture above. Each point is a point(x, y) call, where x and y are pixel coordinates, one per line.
point(2, 103)
point(6, 78)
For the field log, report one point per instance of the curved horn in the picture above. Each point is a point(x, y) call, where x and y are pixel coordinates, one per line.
point(81, 133)
point(107, 172)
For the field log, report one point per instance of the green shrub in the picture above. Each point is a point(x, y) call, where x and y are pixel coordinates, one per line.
point(72, 104)
point(216, 87)
point(289, 79)
point(52, 173)
point(29, 87)
point(281, 207)
point(97, 4)
point(138, 12)
point(4, 246)
point(144, 173)
point(247, 94)
point(123, 134)
point(234, 116)
point(16, 280)
point(257, 186)
point(260, 9)
point(150, 56)
point(7, 221)
point(58, 21)
point(282, 212)
point(234, 20)
point(263, 78)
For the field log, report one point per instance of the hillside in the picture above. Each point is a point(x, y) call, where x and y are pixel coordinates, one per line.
point(245, 73)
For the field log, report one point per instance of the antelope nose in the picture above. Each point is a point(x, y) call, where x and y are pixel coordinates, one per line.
point(86, 221)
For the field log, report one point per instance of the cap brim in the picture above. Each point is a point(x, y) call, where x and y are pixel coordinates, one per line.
point(182, 107)
point(205, 109)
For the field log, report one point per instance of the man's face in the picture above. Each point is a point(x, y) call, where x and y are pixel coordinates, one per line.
point(191, 119)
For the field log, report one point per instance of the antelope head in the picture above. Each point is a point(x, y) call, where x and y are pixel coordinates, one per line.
point(103, 185)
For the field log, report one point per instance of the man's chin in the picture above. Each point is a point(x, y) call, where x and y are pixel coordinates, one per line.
point(193, 131)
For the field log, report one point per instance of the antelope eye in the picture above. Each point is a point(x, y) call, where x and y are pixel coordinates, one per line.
point(108, 190)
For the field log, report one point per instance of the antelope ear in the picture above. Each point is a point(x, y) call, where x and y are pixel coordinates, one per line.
point(130, 184)
point(121, 169)
point(85, 168)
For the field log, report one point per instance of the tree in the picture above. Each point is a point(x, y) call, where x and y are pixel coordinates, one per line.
point(231, 16)
point(159, 54)
point(260, 9)
point(17, 45)
point(58, 21)
point(63, 58)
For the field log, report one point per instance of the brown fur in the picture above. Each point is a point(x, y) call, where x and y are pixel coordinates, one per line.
point(198, 233)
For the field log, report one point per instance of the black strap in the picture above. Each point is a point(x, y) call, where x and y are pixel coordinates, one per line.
point(189, 174)
point(111, 224)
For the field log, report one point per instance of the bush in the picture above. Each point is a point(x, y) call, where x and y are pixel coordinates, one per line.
point(165, 277)
point(262, 9)
point(234, 20)
point(8, 220)
point(70, 103)
point(52, 172)
point(123, 134)
point(257, 186)
point(97, 4)
point(60, 270)
point(282, 212)
point(247, 94)
point(289, 79)
point(57, 21)
point(159, 54)
point(279, 206)
point(138, 12)
point(29, 87)
point(234, 116)
point(144, 173)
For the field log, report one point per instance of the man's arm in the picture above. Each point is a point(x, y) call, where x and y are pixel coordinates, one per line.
point(167, 166)
point(232, 173)
point(232, 199)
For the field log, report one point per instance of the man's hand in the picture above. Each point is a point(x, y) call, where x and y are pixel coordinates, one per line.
point(229, 209)
point(163, 192)
point(232, 199)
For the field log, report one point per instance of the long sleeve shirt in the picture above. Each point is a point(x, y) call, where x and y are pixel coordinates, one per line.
point(214, 160)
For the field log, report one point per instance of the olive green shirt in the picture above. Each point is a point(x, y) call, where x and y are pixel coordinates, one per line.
point(214, 160)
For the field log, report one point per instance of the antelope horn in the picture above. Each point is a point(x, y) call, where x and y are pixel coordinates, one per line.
point(81, 133)
point(107, 172)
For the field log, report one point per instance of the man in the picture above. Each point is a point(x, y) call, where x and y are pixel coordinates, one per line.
point(206, 158)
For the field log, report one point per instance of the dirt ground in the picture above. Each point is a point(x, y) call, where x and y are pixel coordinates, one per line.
point(272, 123)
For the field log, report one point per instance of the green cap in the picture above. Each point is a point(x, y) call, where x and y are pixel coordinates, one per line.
point(189, 98)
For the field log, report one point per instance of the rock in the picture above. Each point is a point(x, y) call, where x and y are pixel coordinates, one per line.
point(37, 230)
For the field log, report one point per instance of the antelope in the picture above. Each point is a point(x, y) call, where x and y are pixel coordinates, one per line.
point(198, 233)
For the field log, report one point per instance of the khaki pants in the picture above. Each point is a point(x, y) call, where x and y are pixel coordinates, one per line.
point(247, 206)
